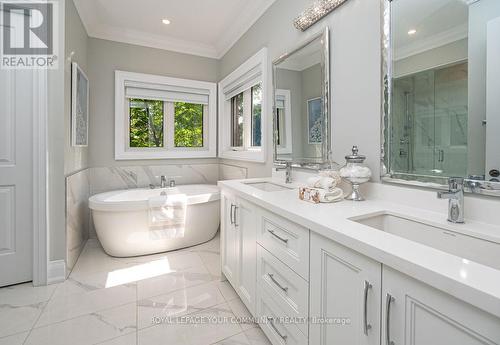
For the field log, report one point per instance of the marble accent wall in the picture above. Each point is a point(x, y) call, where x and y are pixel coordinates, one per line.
point(232, 172)
point(77, 216)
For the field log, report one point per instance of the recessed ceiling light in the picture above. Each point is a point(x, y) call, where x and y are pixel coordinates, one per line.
point(165, 21)
point(412, 32)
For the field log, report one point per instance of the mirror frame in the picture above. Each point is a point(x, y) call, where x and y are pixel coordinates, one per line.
point(430, 182)
point(326, 144)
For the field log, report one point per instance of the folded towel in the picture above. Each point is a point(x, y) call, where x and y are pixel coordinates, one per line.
point(167, 216)
point(317, 195)
point(326, 183)
point(334, 174)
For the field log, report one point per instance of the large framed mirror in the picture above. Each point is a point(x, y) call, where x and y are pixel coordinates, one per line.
point(301, 121)
point(441, 107)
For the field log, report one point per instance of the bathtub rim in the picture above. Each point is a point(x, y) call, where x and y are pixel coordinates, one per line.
point(98, 202)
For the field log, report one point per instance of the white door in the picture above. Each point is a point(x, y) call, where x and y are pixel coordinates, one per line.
point(417, 314)
point(16, 179)
point(247, 254)
point(344, 295)
point(229, 239)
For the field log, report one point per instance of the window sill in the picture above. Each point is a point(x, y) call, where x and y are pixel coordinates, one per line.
point(253, 155)
point(174, 154)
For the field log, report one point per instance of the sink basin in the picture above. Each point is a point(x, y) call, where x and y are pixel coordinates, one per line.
point(268, 186)
point(450, 241)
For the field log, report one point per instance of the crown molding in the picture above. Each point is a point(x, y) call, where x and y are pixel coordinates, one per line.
point(152, 41)
point(435, 41)
point(249, 15)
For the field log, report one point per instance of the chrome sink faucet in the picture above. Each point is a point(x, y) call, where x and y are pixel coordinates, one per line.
point(288, 171)
point(455, 194)
point(163, 181)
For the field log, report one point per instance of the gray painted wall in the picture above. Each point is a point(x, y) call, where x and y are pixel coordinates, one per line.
point(355, 70)
point(104, 57)
point(76, 40)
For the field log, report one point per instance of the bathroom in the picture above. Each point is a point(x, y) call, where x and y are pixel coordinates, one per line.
point(249, 172)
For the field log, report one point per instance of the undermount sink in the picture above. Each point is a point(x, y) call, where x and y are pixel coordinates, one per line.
point(453, 242)
point(268, 186)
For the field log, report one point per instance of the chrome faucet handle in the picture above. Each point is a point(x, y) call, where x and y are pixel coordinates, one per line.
point(456, 184)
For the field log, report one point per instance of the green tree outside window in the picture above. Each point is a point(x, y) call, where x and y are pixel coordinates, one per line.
point(146, 123)
point(188, 124)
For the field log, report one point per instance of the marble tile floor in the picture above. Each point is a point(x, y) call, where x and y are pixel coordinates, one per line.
point(150, 300)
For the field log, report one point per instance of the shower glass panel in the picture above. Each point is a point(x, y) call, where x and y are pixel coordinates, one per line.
point(429, 123)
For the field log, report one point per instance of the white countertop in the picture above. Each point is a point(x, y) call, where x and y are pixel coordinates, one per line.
point(474, 283)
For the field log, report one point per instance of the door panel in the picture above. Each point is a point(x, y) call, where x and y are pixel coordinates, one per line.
point(339, 296)
point(422, 315)
point(16, 180)
point(246, 225)
point(229, 240)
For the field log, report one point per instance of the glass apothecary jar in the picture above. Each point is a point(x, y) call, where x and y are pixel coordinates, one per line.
point(355, 172)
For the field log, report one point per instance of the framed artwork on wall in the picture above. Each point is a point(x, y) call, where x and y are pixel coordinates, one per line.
point(79, 107)
point(314, 121)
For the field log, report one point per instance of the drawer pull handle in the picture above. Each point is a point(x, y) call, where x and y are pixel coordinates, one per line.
point(271, 276)
point(388, 301)
point(273, 326)
point(284, 240)
point(366, 325)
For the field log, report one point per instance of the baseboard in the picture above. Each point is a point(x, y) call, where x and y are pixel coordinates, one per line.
point(56, 271)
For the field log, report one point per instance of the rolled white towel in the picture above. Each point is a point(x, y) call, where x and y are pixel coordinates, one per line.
point(314, 182)
point(336, 194)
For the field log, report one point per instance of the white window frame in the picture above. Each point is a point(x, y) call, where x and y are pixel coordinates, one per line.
point(286, 96)
point(123, 151)
point(258, 63)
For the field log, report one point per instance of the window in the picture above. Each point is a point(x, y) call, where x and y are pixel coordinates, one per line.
point(242, 111)
point(237, 120)
point(146, 123)
point(256, 115)
point(160, 117)
point(188, 122)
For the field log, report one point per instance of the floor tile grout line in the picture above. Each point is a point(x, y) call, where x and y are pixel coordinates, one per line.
point(40, 315)
point(83, 315)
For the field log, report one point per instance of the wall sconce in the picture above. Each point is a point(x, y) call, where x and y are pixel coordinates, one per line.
point(314, 13)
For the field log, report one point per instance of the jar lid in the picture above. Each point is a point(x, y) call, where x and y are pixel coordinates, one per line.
point(355, 157)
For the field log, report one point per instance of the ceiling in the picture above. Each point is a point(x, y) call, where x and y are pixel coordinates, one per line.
point(200, 27)
point(437, 22)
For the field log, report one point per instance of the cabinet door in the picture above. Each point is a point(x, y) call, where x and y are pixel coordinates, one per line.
point(245, 225)
point(229, 238)
point(344, 295)
point(419, 314)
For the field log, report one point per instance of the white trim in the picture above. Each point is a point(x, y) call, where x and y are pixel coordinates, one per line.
point(288, 148)
point(56, 271)
point(259, 61)
point(443, 38)
point(40, 183)
point(252, 11)
point(123, 152)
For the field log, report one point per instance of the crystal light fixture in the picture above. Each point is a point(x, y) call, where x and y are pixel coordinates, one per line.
point(314, 13)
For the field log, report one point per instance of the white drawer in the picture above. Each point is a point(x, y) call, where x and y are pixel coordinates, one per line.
point(290, 291)
point(287, 241)
point(278, 331)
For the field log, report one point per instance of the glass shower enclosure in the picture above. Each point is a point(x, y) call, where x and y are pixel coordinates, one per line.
point(429, 122)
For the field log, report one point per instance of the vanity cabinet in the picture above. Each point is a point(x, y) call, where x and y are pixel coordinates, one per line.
point(284, 272)
point(238, 250)
point(418, 314)
point(345, 295)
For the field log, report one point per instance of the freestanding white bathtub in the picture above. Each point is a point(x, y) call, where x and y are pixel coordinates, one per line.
point(121, 219)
